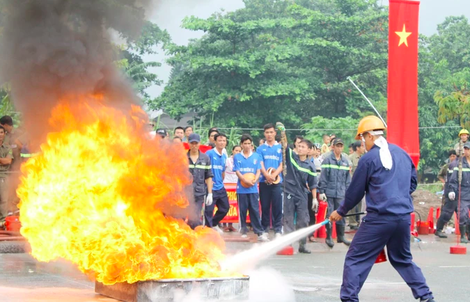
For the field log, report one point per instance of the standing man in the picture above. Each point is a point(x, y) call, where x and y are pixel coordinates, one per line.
point(248, 168)
point(300, 179)
point(6, 158)
point(179, 132)
point(270, 193)
point(312, 157)
point(200, 169)
point(220, 199)
point(462, 187)
point(388, 177)
point(334, 180)
point(463, 135)
point(359, 150)
point(448, 206)
point(187, 132)
point(211, 135)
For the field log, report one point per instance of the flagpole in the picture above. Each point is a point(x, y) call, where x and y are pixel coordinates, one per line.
point(370, 103)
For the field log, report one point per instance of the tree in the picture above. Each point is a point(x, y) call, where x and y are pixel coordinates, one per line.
point(443, 59)
point(343, 127)
point(133, 64)
point(279, 60)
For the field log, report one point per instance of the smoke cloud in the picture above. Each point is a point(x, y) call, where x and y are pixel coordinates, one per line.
point(55, 49)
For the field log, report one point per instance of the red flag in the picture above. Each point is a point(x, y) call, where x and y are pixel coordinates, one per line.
point(403, 76)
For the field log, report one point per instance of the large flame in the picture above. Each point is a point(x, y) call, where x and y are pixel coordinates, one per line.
point(100, 194)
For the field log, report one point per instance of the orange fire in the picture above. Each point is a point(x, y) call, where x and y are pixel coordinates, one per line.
point(104, 196)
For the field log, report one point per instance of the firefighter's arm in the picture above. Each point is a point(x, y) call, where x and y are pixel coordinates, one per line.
point(5, 161)
point(280, 127)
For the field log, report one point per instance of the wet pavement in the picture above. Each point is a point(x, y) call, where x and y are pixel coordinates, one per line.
point(314, 277)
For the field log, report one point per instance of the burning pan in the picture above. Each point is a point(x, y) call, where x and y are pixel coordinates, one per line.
point(220, 289)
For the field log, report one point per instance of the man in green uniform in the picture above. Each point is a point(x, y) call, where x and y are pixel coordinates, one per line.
point(5, 161)
point(359, 150)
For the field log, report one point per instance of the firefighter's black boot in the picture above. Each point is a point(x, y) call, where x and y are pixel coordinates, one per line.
point(463, 235)
point(439, 233)
point(329, 240)
point(302, 248)
point(340, 235)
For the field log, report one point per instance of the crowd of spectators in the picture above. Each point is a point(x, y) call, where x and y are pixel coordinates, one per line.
point(258, 174)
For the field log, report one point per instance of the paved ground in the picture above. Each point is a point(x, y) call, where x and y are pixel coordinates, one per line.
point(315, 277)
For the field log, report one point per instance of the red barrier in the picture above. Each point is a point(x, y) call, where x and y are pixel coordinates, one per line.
point(412, 226)
point(12, 223)
point(333, 230)
point(232, 215)
point(382, 257)
point(321, 216)
point(457, 229)
point(431, 220)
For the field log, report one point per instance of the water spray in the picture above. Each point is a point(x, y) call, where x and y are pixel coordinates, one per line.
point(248, 259)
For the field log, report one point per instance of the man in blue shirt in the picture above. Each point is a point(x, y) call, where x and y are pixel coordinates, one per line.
point(219, 194)
point(270, 191)
point(246, 165)
point(388, 177)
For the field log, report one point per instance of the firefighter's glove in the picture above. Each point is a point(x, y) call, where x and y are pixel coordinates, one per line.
point(209, 199)
point(323, 196)
point(314, 204)
point(451, 195)
point(280, 126)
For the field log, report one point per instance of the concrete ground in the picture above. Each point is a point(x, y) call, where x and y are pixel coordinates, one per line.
point(314, 277)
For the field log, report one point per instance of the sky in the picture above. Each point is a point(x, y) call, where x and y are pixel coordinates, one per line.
point(168, 14)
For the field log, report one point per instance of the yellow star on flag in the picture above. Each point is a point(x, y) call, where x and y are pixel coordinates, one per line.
point(403, 36)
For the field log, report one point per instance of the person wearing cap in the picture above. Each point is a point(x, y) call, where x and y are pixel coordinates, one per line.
point(448, 206)
point(246, 165)
point(220, 197)
point(359, 149)
point(387, 175)
point(300, 179)
point(334, 180)
point(462, 187)
point(463, 136)
point(270, 193)
point(200, 169)
point(162, 133)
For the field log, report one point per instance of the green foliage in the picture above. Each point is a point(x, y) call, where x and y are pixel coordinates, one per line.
point(320, 125)
point(7, 108)
point(279, 60)
point(454, 102)
point(132, 63)
point(443, 68)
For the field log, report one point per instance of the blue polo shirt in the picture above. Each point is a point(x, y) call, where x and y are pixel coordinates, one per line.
point(251, 164)
point(218, 167)
point(271, 157)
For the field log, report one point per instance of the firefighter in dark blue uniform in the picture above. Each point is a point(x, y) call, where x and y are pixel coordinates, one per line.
point(449, 206)
point(200, 169)
point(300, 179)
point(388, 177)
point(463, 189)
